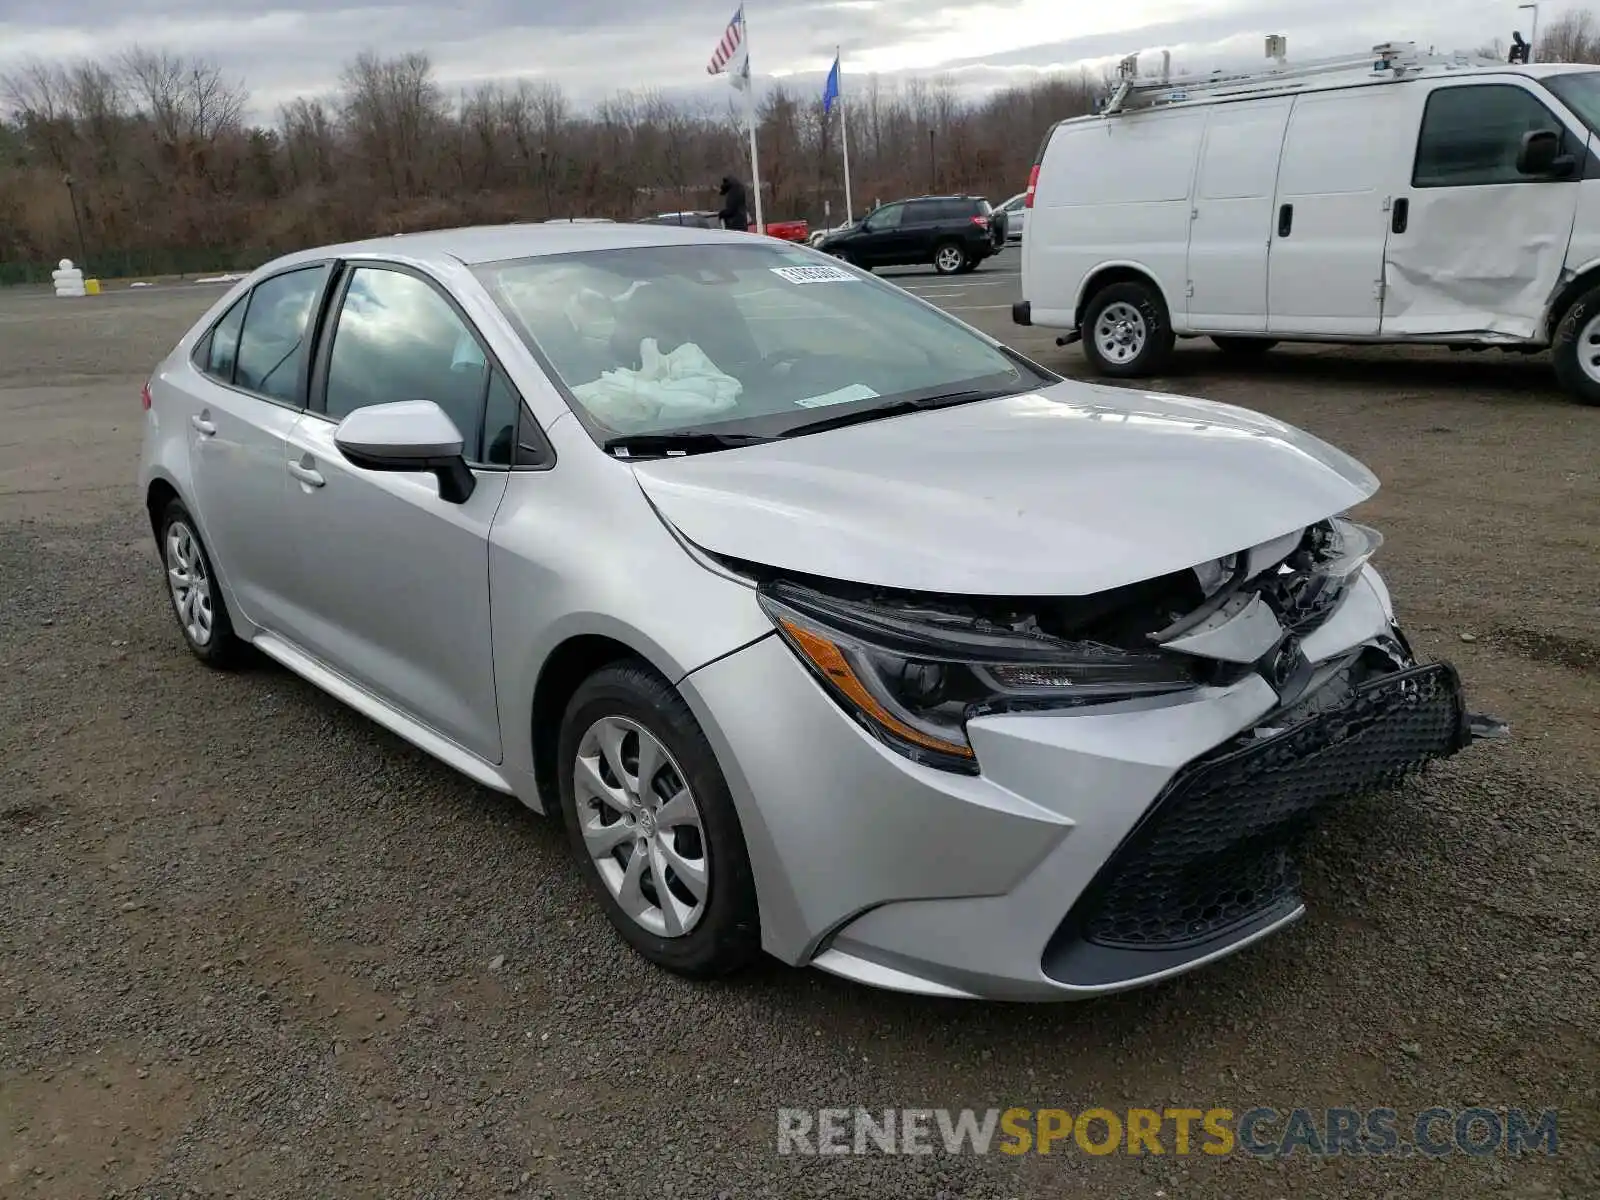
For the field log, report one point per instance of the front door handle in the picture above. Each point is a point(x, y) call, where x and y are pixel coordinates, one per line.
point(202, 425)
point(1285, 220)
point(1402, 215)
point(309, 476)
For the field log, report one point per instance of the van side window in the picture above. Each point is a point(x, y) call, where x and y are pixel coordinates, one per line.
point(1471, 135)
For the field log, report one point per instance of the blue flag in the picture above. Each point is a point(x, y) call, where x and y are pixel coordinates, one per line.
point(830, 90)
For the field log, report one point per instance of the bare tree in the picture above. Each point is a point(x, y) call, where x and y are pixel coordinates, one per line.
point(167, 171)
point(1570, 38)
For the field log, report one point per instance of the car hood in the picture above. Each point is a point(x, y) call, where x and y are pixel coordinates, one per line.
point(1069, 490)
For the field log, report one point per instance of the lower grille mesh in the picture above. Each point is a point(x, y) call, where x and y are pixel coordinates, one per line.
point(1218, 847)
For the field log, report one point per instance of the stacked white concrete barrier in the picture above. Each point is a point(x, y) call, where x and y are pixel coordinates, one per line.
point(68, 279)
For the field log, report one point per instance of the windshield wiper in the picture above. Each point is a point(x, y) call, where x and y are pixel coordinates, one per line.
point(684, 441)
point(895, 408)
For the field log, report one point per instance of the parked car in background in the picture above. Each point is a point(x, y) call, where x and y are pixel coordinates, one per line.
point(697, 219)
point(827, 624)
point(953, 233)
point(789, 231)
point(1015, 211)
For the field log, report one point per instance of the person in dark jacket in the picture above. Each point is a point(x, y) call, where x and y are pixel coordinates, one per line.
point(735, 211)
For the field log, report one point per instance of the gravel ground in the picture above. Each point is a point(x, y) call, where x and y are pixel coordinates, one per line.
point(252, 945)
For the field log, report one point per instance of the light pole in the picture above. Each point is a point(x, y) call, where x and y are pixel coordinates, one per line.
point(1533, 35)
point(83, 252)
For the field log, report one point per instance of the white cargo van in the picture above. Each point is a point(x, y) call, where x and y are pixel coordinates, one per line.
point(1392, 198)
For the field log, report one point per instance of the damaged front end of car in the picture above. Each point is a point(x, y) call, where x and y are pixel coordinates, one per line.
point(1213, 860)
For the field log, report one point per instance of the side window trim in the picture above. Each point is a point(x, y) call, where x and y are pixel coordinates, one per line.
point(246, 299)
point(327, 329)
point(1423, 182)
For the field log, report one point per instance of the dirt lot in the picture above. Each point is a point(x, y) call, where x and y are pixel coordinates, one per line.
point(254, 946)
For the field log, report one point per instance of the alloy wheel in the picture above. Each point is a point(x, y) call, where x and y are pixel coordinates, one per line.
point(190, 583)
point(949, 258)
point(641, 826)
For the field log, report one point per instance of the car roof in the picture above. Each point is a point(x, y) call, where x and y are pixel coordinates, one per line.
point(491, 243)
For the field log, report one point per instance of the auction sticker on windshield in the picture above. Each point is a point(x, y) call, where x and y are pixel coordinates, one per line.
point(853, 391)
point(817, 274)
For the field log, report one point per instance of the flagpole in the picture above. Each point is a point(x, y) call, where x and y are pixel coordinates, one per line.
point(844, 138)
point(750, 120)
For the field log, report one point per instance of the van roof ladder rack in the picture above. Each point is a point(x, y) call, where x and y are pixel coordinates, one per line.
point(1385, 62)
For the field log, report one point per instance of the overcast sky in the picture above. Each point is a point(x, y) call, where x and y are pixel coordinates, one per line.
point(283, 48)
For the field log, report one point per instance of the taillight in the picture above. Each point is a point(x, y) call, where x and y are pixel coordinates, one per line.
point(983, 221)
point(1033, 186)
point(144, 397)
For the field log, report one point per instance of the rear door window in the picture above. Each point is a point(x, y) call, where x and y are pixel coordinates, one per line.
point(277, 328)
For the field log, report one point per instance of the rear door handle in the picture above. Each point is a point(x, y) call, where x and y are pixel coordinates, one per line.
point(202, 425)
point(1402, 214)
point(1285, 219)
point(306, 475)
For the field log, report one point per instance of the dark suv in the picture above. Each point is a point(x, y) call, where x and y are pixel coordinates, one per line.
point(954, 233)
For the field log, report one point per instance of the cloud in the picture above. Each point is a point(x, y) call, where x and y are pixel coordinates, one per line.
point(285, 48)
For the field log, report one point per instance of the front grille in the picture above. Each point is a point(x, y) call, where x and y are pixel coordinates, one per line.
point(1217, 849)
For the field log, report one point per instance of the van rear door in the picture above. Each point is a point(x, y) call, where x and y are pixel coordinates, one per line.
point(1112, 192)
point(1476, 246)
point(1341, 150)
point(1231, 231)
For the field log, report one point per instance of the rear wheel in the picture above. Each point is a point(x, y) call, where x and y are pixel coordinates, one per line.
point(1126, 332)
point(192, 586)
point(1575, 352)
point(949, 258)
point(650, 817)
point(1243, 347)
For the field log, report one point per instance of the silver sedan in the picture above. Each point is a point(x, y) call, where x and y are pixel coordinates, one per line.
point(831, 627)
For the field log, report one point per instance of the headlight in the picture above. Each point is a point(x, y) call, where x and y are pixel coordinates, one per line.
point(914, 677)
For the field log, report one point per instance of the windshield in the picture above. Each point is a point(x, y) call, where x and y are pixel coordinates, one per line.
point(1579, 91)
point(755, 339)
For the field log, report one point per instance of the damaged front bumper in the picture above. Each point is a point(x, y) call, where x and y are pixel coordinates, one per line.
point(1209, 867)
point(1094, 848)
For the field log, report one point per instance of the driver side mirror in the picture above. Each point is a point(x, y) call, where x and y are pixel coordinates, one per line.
point(1540, 154)
point(408, 435)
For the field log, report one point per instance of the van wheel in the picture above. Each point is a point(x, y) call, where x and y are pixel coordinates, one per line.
point(949, 258)
point(1243, 347)
point(1126, 332)
point(1575, 352)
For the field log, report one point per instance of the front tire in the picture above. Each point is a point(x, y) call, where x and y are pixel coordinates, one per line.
point(650, 817)
point(1126, 331)
point(1575, 351)
point(193, 589)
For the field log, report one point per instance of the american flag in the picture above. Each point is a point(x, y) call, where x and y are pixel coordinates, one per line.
point(732, 39)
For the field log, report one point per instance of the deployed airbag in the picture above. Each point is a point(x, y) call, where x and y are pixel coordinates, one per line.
point(666, 387)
